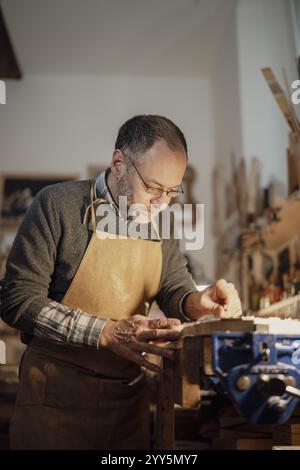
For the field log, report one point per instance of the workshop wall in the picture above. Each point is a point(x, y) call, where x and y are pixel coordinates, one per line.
point(61, 124)
point(265, 38)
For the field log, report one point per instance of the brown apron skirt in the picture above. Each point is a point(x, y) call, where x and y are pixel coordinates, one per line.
point(70, 407)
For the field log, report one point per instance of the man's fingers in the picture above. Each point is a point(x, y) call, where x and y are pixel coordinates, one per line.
point(163, 322)
point(140, 360)
point(165, 335)
point(227, 292)
point(152, 349)
point(149, 365)
point(211, 307)
point(128, 353)
point(154, 323)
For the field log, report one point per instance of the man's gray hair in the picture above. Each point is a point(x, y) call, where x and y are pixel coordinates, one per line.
point(139, 134)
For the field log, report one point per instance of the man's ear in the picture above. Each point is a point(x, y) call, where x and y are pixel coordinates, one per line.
point(118, 164)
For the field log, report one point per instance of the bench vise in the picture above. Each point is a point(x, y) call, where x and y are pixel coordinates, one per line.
point(254, 361)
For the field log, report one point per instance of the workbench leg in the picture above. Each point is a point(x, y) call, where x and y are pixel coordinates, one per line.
point(165, 418)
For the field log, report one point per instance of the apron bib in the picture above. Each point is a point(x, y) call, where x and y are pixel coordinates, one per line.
point(80, 398)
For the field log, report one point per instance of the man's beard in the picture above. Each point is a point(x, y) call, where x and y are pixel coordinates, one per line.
point(124, 190)
point(138, 212)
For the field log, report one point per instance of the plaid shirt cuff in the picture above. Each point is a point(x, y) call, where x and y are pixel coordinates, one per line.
point(62, 324)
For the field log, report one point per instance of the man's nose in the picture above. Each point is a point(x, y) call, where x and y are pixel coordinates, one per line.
point(162, 199)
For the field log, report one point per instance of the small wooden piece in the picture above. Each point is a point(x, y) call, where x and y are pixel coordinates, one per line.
point(281, 98)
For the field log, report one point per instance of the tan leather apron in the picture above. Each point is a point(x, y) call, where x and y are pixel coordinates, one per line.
point(80, 398)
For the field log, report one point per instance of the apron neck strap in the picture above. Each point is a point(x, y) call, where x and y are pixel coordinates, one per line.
point(94, 201)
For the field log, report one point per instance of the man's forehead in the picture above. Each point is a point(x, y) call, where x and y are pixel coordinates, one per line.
point(164, 184)
point(163, 172)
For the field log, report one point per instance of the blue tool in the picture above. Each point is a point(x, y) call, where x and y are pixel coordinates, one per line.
point(259, 372)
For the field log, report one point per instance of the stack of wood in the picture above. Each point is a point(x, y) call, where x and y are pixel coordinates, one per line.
point(236, 434)
point(287, 434)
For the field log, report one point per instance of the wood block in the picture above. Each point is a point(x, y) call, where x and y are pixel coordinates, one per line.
point(242, 444)
point(286, 448)
point(285, 438)
point(270, 325)
point(208, 327)
point(254, 444)
point(292, 426)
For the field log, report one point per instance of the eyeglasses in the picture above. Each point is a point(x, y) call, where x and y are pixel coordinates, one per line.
point(174, 192)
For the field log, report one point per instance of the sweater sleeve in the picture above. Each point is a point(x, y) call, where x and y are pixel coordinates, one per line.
point(176, 281)
point(24, 301)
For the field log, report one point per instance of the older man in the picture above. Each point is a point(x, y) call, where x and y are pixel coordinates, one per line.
point(79, 296)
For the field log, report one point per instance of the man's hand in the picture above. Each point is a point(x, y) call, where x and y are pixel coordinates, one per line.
point(130, 338)
point(220, 299)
